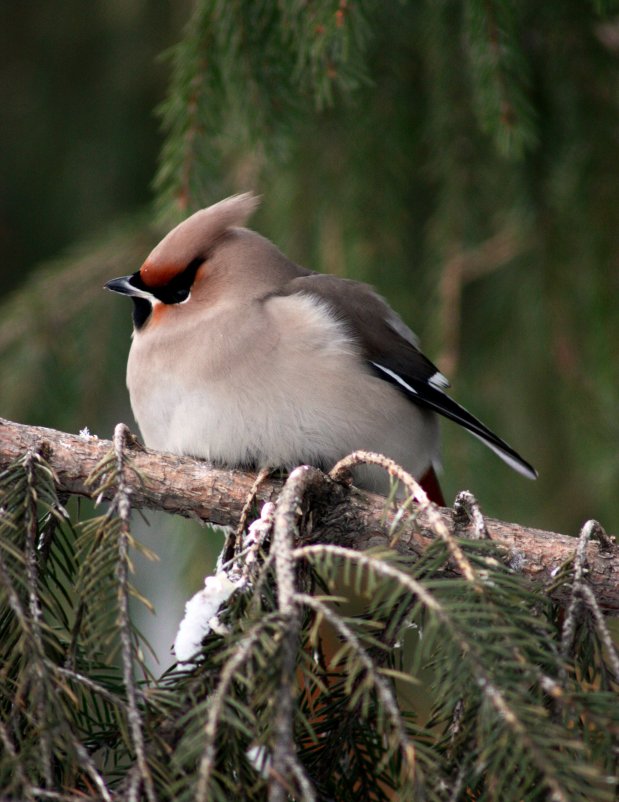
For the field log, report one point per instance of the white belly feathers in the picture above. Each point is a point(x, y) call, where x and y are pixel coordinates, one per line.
point(228, 411)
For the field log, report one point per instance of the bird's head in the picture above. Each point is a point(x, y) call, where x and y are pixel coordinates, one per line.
point(185, 263)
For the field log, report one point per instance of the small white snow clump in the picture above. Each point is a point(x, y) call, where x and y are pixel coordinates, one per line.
point(199, 612)
point(260, 759)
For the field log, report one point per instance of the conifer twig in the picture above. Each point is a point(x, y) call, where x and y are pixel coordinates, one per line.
point(217, 701)
point(580, 566)
point(456, 791)
point(420, 496)
point(383, 690)
point(237, 543)
point(600, 623)
point(298, 772)
point(284, 529)
point(36, 615)
point(467, 510)
point(5, 739)
point(32, 629)
point(583, 595)
point(87, 682)
point(122, 506)
point(88, 763)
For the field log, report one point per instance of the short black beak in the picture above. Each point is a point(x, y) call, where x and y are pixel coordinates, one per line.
point(122, 286)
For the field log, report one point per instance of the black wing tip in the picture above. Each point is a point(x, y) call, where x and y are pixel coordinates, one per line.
point(506, 453)
point(430, 394)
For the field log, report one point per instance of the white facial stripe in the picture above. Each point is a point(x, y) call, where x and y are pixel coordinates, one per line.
point(395, 376)
point(136, 292)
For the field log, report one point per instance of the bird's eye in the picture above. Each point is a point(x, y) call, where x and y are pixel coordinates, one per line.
point(180, 295)
point(177, 290)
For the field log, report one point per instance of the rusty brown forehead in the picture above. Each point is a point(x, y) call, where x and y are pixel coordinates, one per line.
point(158, 275)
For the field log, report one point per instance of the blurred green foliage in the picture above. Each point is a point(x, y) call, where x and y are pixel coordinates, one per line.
point(78, 83)
point(460, 156)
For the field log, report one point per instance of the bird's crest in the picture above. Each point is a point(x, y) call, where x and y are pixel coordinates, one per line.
point(194, 237)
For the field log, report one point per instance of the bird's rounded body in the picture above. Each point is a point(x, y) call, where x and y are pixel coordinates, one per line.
point(281, 386)
point(242, 357)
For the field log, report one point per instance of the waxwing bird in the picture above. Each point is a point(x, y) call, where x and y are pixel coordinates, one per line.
point(241, 357)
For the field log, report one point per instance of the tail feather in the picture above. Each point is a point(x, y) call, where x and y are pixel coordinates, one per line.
point(429, 395)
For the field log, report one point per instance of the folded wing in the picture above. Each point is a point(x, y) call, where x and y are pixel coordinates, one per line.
point(392, 352)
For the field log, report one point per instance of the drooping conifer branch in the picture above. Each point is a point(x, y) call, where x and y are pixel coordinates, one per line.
point(340, 514)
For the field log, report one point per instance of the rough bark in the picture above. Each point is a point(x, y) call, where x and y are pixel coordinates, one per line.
point(339, 514)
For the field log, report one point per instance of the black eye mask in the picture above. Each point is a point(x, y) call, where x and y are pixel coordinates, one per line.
point(174, 292)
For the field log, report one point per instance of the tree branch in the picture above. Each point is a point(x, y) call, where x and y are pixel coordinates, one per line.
point(339, 514)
